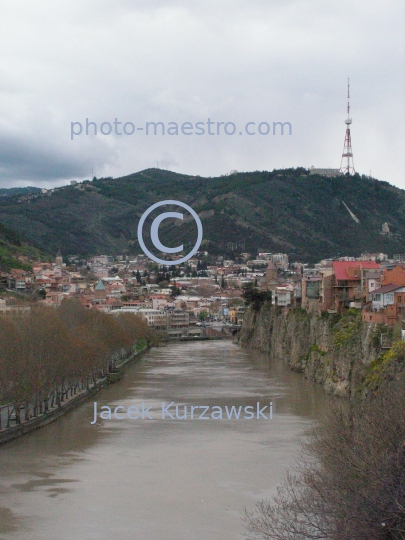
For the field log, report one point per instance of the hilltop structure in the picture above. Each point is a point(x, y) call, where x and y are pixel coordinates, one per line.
point(347, 163)
point(329, 173)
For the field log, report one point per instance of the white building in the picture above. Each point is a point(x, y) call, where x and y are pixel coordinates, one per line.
point(283, 295)
point(384, 296)
point(155, 318)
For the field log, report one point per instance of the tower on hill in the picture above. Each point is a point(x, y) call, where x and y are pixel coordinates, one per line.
point(347, 164)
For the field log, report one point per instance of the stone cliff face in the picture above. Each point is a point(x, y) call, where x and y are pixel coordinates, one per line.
point(332, 350)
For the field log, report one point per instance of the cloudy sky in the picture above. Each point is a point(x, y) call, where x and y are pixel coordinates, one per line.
point(230, 61)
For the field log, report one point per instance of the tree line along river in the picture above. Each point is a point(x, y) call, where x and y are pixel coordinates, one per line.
point(159, 478)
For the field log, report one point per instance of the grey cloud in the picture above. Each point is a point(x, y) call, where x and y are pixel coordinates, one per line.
point(22, 159)
point(187, 60)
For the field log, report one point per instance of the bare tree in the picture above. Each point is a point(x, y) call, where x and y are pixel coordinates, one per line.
point(349, 482)
point(46, 355)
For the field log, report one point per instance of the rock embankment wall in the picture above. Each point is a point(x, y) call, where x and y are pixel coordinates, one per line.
point(334, 351)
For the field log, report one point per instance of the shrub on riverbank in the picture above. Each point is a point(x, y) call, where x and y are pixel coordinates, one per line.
point(49, 352)
point(349, 482)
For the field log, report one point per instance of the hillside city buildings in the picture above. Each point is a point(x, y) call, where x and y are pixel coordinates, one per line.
point(206, 295)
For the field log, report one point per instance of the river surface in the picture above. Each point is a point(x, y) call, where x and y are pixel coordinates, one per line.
point(160, 479)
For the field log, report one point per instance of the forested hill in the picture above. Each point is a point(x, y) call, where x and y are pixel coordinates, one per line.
point(15, 253)
point(4, 192)
point(307, 216)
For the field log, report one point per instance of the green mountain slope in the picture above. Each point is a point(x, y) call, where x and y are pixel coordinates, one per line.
point(306, 216)
point(12, 247)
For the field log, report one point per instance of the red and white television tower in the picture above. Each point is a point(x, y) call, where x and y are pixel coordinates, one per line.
point(347, 165)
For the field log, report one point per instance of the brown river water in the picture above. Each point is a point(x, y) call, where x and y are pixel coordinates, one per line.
point(160, 479)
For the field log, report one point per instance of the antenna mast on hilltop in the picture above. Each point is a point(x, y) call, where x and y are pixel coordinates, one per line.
point(348, 166)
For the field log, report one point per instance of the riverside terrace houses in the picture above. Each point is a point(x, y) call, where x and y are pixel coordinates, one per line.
point(311, 286)
point(387, 305)
point(372, 281)
point(349, 281)
point(326, 287)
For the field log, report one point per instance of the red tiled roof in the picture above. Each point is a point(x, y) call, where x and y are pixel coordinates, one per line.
point(113, 301)
point(340, 268)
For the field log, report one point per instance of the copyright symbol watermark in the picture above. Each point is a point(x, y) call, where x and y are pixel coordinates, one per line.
point(154, 232)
